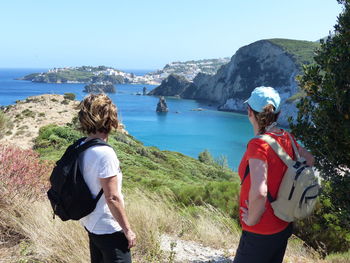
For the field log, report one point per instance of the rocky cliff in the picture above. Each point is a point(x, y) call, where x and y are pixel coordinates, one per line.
point(171, 86)
point(274, 63)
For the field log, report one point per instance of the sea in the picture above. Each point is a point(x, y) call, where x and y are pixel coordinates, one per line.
point(184, 128)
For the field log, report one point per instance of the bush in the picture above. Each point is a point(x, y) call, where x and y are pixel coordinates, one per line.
point(206, 157)
point(56, 137)
point(69, 96)
point(222, 195)
point(21, 171)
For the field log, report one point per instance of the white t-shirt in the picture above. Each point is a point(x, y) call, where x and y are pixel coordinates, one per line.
point(100, 162)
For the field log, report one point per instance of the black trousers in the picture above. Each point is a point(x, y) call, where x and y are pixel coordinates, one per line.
point(256, 248)
point(109, 248)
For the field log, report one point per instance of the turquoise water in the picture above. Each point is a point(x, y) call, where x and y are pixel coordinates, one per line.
point(181, 129)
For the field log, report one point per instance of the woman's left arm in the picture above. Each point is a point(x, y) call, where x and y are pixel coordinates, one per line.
point(257, 192)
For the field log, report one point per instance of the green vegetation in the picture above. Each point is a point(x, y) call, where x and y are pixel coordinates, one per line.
point(6, 125)
point(206, 66)
point(323, 125)
point(84, 74)
point(297, 96)
point(69, 96)
point(28, 113)
point(302, 52)
point(186, 179)
point(3, 121)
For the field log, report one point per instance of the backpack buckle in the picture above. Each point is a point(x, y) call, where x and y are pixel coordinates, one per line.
point(297, 164)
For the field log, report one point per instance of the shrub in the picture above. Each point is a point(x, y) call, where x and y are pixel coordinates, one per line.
point(28, 113)
point(206, 157)
point(56, 137)
point(69, 96)
point(21, 171)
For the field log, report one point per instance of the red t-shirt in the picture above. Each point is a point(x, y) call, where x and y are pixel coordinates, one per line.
point(259, 149)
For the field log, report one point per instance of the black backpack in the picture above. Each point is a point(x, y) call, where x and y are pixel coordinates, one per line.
point(69, 195)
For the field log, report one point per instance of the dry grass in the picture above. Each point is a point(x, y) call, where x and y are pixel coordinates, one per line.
point(29, 233)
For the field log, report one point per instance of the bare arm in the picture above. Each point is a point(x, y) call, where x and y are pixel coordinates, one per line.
point(115, 204)
point(257, 192)
point(310, 160)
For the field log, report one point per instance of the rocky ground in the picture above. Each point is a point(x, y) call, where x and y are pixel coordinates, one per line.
point(193, 252)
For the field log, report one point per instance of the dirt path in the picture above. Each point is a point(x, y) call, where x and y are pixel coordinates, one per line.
point(189, 251)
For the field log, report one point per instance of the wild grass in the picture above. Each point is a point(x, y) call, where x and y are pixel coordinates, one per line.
point(37, 237)
point(28, 232)
point(5, 124)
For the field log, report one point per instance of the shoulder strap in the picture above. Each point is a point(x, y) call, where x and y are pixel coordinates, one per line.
point(85, 146)
point(295, 149)
point(278, 148)
point(90, 143)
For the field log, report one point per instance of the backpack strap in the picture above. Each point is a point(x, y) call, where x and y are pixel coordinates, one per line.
point(295, 149)
point(93, 142)
point(82, 147)
point(279, 150)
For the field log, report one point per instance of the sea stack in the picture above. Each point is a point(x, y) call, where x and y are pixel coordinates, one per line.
point(162, 106)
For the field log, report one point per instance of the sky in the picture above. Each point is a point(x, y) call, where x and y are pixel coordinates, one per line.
point(147, 34)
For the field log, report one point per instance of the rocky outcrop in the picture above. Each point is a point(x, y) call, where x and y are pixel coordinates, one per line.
point(172, 86)
point(144, 91)
point(262, 63)
point(100, 88)
point(162, 106)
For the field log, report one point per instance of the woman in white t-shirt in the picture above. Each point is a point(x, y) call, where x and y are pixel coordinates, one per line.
point(110, 234)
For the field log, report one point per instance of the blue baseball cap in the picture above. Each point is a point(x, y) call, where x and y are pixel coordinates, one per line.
point(262, 96)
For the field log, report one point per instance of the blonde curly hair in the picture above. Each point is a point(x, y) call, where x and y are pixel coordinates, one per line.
point(97, 114)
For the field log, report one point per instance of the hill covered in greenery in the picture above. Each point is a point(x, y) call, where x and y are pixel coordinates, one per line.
point(302, 52)
point(188, 180)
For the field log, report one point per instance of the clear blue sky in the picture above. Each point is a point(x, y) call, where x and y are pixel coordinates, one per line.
point(147, 34)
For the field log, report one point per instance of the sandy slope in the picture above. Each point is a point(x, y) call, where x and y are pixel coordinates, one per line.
point(27, 116)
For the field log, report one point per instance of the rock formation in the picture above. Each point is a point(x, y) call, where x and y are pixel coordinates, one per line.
point(162, 106)
point(171, 86)
point(102, 87)
point(262, 63)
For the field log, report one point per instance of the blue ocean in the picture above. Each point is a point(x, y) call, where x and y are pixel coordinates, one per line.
point(181, 129)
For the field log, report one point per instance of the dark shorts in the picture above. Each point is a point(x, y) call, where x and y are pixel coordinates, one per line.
point(109, 248)
point(256, 248)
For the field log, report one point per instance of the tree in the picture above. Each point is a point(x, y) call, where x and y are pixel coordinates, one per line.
point(323, 124)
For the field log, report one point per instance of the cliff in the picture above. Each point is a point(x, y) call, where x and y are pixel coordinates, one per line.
point(274, 62)
point(171, 86)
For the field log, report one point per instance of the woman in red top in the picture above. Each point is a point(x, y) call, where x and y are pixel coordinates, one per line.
point(264, 236)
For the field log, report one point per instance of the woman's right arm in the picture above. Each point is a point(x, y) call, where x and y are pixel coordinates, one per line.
point(115, 204)
point(310, 160)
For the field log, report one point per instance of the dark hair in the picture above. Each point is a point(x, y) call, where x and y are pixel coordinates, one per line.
point(97, 114)
point(265, 118)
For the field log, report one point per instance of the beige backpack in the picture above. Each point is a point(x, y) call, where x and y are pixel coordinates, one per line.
point(300, 186)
